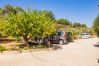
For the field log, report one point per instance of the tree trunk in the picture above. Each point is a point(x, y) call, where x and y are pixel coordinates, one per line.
point(26, 41)
point(48, 43)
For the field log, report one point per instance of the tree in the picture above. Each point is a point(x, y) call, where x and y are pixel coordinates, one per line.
point(1, 11)
point(63, 21)
point(3, 23)
point(83, 25)
point(96, 25)
point(9, 9)
point(76, 24)
point(46, 18)
point(29, 24)
point(49, 14)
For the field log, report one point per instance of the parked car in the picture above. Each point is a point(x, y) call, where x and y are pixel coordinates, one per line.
point(85, 35)
point(60, 37)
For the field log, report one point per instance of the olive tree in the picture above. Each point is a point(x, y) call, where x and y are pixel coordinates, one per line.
point(29, 24)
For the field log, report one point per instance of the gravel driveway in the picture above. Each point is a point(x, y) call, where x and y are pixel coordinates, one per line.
point(83, 52)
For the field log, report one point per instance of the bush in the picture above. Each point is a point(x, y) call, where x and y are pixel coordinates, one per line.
point(96, 25)
point(42, 46)
point(2, 49)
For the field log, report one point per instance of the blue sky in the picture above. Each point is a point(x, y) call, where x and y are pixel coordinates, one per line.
point(83, 11)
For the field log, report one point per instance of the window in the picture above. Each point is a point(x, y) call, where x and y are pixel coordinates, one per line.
point(60, 33)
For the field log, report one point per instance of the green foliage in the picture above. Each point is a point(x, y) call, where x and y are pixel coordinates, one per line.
point(74, 31)
point(26, 24)
point(42, 46)
point(3, 23)
point(29, 24)
point(46, 20)
point(1, 11)
point(2, 48)
point(96, 25)
point(83, 25)
point(9, 9)
point(63, 21)
point(48, 14)
point(77, 31)
point(77, 24)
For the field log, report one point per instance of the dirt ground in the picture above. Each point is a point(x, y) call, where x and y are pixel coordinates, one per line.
point(83, 52)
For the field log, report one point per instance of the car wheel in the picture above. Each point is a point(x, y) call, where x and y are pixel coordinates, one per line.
point(61, 42)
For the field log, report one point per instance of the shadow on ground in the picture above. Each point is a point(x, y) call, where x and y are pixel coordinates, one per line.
point(97, 45)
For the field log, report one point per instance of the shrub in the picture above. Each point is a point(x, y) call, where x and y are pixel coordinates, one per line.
point(2, 49)
point(96, 25)
point(42, 46)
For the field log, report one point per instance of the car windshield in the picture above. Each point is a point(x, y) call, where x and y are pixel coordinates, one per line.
point(60, 33)
point(87, 34)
